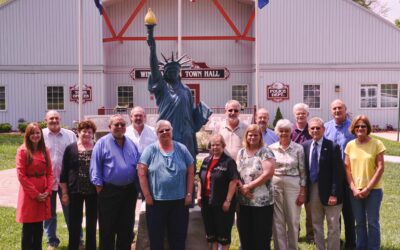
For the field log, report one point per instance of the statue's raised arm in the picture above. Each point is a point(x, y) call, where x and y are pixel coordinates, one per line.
point(155, 72)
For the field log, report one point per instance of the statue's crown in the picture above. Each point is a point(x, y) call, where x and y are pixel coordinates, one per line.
point(182, 62)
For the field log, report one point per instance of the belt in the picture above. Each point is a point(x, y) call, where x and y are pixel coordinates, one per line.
point(118, 186)
point(36, 174)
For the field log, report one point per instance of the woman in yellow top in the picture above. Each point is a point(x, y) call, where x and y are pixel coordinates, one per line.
point(364, 168)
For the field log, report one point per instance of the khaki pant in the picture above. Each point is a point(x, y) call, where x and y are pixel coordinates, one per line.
point(285, 226)
point(332, 214)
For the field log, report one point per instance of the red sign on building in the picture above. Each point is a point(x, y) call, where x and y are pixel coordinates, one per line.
point(86, 93)
point(277, 92)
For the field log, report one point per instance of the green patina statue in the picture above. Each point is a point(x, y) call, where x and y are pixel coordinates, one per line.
point(174, 99)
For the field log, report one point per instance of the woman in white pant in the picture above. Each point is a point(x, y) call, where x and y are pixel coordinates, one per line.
point(290, 187)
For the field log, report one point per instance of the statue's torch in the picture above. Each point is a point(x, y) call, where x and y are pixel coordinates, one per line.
point(150, 21)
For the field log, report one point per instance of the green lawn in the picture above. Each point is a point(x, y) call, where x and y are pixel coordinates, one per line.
point(392, 147)
point(10, 231)
point(8, 148)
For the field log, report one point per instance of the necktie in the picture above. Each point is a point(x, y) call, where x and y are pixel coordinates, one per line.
point(314, 163)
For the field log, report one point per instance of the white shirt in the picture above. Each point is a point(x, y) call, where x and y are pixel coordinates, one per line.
point(233, 138)
point(147, 137)
point(56, 143)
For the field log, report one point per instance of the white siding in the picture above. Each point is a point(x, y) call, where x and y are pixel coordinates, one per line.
point(349, 81)
point(200, 18)
point(324, 32)
point(27, 99)
point(38, 48)
point(44, 32)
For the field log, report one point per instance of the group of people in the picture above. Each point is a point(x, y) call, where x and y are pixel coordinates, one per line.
point(262, 176)
point(329, 167)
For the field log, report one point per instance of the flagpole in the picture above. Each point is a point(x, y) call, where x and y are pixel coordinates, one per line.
point(179, 28)
point(80, 56)
point(257, 57)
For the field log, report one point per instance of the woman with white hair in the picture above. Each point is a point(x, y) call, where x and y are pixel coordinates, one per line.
point(166, 175)
point(289, 187)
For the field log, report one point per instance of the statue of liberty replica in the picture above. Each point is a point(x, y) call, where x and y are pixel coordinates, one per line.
point(173, 98)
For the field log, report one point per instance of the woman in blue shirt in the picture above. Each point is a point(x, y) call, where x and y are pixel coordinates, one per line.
point(166, 175)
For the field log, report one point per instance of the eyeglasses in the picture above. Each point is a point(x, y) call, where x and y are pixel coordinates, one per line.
point(360, 126)
point(119, 125)
point(164, 130)
point(315, 128)
point(233, 110)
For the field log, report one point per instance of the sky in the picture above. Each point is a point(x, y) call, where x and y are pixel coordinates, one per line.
point(394, 12)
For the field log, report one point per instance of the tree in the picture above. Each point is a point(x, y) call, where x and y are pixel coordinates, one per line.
point(377, 6)
point(397, 22)
point(278, 116)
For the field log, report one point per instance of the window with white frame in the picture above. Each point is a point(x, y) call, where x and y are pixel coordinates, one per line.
point(239, 93)
point(55, 97)
point(379, 96)
point(312, 95)
point(2, 98)
point(125, 96)
point(389, 96)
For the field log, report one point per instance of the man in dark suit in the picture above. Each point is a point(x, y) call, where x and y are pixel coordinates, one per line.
point(325, 172)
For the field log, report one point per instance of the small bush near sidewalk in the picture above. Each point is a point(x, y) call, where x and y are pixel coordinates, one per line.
point(5, 127)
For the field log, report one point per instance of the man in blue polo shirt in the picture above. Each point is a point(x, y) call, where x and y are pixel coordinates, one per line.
point(113, 172)
point(337, 130)
point(262, 118)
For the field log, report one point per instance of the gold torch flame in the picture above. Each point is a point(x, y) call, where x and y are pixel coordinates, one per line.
point(150, 18)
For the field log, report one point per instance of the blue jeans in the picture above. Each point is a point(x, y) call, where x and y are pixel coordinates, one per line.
point(366, 213)
point(50, 225)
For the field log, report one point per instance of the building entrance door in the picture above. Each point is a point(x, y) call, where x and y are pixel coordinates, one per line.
point(195, 89)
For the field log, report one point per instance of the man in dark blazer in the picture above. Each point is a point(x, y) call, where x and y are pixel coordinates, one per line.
point(325, 176)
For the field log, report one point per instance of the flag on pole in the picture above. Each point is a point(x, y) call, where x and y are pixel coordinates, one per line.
point(99, 6)
point(262, 3)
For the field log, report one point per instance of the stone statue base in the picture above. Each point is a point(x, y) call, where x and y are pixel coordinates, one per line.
point(196, 237)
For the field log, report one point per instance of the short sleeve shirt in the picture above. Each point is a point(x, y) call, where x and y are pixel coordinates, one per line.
point(290, 161)
point(250, 168)
point(167, 171)
point(362, 160)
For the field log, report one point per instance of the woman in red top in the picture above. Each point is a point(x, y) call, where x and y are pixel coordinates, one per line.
point(35, 175)
point(216, 194)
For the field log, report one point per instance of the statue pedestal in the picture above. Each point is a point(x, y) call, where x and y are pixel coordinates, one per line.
point(196, 239)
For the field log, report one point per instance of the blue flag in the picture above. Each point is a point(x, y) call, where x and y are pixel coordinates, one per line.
point(99, 6)
point(262, 3)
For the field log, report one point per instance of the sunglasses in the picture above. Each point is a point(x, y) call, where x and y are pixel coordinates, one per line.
point(360, 126)
point(233, 110)
point(315, 128)
point(119, 125)
point(164, 130)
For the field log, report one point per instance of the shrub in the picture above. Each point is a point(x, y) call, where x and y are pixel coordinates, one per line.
point(278, 116)
point(42, 124)
point(22, 126)
point(5, 127)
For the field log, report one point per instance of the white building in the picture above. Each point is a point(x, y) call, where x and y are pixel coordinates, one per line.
point(309, 51)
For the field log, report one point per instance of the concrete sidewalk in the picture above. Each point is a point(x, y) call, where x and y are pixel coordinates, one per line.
point(9, 186)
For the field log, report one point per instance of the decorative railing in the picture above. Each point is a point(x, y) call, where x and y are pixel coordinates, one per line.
point(125, 110)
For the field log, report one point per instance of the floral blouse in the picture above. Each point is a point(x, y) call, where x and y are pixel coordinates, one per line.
point(250, 168)
point(290, 161)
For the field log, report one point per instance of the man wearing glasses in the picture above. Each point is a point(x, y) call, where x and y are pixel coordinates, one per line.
point(337, 130)
point(325, 177)
point(232, 129)
point(113, 172)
